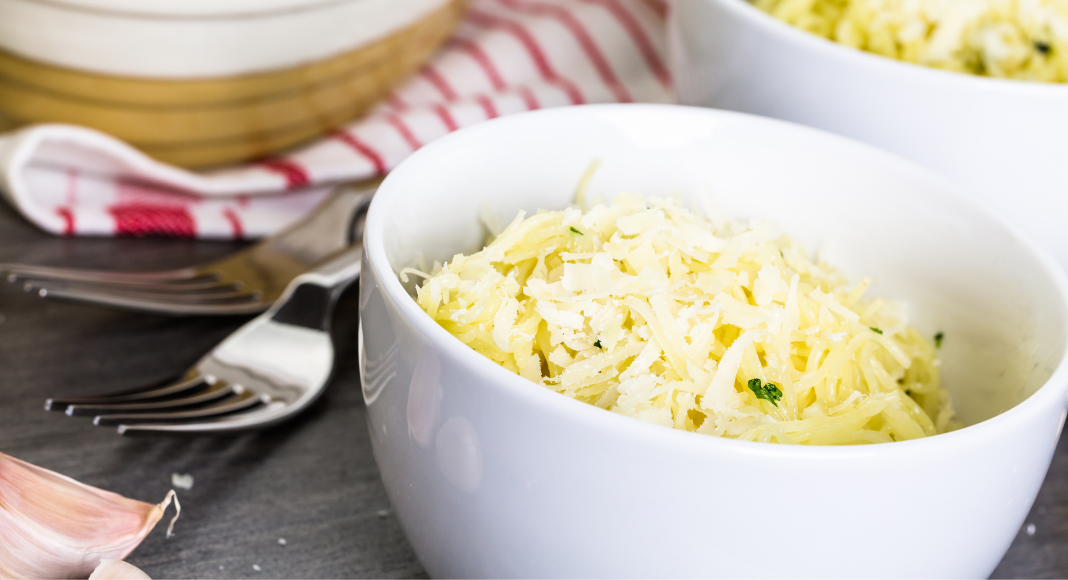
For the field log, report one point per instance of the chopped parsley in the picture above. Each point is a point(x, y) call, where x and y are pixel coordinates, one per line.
point(908, 392)
point(769, 392)
point(938, 340)
point(576, 231)
point(876, 330)
point(598, 344)
point(1043, 47)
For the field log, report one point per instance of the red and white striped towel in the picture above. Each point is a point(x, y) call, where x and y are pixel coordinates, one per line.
point(508, 56)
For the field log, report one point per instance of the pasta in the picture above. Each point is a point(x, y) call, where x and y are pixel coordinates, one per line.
point(646, 309)
point(1014, 39)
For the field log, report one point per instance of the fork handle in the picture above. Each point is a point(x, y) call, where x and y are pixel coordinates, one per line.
point(310, 298)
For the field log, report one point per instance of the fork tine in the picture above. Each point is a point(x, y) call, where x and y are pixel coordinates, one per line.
point(162, 303)
point(15, 272)
point(254, 417)
point(204, 284)
point(211, 394)
point(178, 294)
point(233, 404)
point(192, 380)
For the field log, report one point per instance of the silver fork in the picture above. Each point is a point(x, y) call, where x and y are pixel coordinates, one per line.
point(267, 371)
point(245, 282)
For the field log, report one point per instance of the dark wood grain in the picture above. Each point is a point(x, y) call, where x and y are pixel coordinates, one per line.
point(1042, 551)
point(312, 481)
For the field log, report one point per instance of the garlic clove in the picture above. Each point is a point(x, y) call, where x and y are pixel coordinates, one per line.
point(117, 570)
point(54, 527)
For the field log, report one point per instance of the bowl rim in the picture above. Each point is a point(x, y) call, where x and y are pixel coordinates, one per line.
point(805, 40)
point(191, 9)
point(1052, 392)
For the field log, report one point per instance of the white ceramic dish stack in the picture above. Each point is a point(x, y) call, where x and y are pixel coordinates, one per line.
point(493, 476)
point(203, 83)
point(185, 39)
point(1002, 140)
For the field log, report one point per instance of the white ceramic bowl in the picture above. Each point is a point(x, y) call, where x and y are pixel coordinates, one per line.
point(495, 476)
point(186, 39)
point(1002, 140)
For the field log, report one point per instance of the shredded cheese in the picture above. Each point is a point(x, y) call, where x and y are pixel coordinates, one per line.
point(648, 310)
point(1016, 39)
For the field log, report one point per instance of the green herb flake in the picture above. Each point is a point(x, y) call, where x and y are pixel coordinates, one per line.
point(576, 231)
point(769, 392)
point(876, 330)
point(908, 392)
point(1043, 47)
point(938, 340)
point(598, 344)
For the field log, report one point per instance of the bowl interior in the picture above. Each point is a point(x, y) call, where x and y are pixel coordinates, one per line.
point(958, 269)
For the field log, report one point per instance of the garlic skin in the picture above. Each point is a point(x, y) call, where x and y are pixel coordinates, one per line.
point(117, 570)
point(54, 527)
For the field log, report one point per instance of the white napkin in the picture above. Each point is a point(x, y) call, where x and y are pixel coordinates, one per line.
point(507, 56)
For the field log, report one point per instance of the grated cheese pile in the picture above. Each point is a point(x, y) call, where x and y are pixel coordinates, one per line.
point(1014, 39)
point(648, 310)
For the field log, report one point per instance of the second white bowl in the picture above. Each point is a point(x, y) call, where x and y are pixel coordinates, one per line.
point(1004, 141)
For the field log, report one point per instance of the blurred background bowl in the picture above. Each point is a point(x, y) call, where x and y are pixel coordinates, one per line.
point(199, 83)
point(1003, 140)
point(494, 476)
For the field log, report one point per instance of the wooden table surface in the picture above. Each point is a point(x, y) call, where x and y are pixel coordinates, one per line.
point(311, 482)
